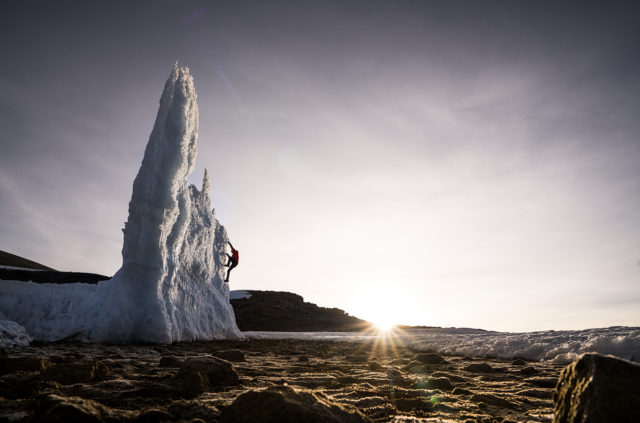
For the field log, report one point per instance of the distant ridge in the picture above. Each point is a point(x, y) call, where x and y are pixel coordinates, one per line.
point(44, 274)
point(288, 312)
point(8, 259)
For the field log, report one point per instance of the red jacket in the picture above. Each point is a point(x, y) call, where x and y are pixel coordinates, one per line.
point(234, 255)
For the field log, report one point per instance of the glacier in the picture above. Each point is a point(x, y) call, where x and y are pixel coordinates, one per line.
point(171, 284)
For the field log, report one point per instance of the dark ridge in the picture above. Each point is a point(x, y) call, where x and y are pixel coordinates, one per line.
point(288, 312)
point(50, 276)
point(8, 259)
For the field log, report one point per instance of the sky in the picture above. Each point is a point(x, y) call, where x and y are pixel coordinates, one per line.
point(444, 163)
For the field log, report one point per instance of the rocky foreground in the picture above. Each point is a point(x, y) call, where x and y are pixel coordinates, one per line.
point(268, 380)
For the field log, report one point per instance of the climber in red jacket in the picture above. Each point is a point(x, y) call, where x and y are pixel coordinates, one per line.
point(233, 260)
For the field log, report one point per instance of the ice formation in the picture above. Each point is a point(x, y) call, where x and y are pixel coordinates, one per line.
point(561, 346)
point(171, 283)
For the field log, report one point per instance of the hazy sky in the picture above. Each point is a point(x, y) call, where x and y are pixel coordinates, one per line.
point(444, 163)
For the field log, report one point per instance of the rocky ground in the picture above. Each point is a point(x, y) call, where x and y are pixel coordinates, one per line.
point(268, 380)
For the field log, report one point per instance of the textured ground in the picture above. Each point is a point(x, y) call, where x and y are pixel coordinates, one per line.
point(386, 382)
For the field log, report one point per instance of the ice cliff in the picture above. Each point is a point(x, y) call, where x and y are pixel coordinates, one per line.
point(171, 283)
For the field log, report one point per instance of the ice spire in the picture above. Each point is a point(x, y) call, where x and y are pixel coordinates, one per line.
point(205, 182)
point(171, 283)
point(172, 242)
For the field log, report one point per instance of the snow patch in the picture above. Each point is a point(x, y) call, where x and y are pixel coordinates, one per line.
point(12, 334)
point(556, 346)
point(239, 295)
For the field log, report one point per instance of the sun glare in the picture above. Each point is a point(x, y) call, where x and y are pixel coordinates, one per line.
point(384, 325)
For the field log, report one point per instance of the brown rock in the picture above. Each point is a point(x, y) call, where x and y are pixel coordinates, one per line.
point(82, 372)
point(598, 389)
point(529, 371)
point(54, 408)
point(416, 367)
point(24, 364)
point(441, 383)
point(479, 368)
point(431, 358)
point(154, 415)
point(495, 401)
point(283, 404)
point(198, 375)
point(374, 365)
point(170, 361)
point(231, 355)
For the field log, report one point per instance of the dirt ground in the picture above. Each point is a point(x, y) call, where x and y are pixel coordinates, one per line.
point(383, 380)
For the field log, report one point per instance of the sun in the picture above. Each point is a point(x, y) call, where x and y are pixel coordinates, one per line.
point(383, 324)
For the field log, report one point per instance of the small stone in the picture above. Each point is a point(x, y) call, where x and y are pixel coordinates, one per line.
point(231, 355)
point(303, 359)
point(529, 371)
point(543, 382)
point(416, 367)
point(74, 372)
point(154, 415)
point(518, 362)
point(536, 393)
point(347, 380)
point(170, 361)
point(495, 401)
point(410, 404)
point(431, 358)
point(479, 368)
point(285, 404)
point(441, 383)
point(461, 391)
point(374, 366)
point(357, 358)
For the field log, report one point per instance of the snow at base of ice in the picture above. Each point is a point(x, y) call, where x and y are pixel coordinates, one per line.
point(171, 284)
point(12, 334)
point(239, 295)
point(558, 346)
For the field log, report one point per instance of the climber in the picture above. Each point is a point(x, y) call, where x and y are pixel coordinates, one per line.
point(233, 260)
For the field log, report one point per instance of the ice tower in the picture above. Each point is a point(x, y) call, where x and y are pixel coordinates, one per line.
point(171, 283)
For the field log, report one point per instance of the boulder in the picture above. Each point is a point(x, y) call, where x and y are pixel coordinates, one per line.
point(284, 404)
point(198, 375)
point(479, 368)
point(54, 408)
point(431, 358)
point(441, 383)
point(598, 389)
